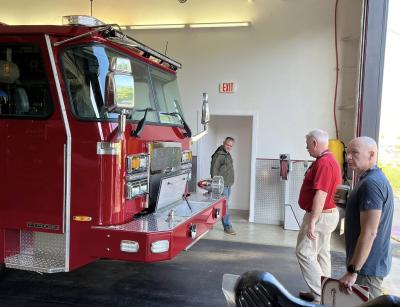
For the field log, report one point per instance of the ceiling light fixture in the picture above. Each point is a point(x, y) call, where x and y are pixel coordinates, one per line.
point(220, 25)
point(192, 25)
point(149, 27)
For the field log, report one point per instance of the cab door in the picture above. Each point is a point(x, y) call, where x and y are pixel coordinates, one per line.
point(32, 138)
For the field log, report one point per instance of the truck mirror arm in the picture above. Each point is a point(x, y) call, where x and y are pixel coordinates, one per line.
point(205, 119)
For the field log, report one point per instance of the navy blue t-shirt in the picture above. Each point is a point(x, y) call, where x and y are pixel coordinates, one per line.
point(372, 192)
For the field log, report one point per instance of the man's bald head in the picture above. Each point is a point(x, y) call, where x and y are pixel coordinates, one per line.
point(362, 154)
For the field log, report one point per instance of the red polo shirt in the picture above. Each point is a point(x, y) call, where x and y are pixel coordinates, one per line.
point(323, 174)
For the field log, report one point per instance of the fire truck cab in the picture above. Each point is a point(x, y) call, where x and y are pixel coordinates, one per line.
point(95, 151)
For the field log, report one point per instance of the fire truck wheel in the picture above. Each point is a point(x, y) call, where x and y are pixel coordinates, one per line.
point(2, 269)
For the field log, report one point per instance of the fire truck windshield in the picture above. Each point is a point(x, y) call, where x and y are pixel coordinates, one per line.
point(86, 69)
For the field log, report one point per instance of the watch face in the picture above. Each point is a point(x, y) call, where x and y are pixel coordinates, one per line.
point(352, 269)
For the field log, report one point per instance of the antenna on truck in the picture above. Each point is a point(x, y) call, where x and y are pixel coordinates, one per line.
point(91, 7)
point(166, 48)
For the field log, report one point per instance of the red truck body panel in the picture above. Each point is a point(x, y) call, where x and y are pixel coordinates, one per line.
point(56, 187)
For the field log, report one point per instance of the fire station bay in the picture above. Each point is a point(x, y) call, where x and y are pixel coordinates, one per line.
point(200, 153)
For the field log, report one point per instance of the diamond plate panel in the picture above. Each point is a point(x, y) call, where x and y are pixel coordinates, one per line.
point(35, 263)
point(296, 179)
point(270, 191)
point(39, 251)
point(163, 220)
point(268, 206)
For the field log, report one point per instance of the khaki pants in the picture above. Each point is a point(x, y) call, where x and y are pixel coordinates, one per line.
point(374, 284)
point(314, 255)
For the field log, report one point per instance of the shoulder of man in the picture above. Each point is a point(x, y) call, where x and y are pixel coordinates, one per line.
point(219, 151)
point(377, 178)
point(373, 192)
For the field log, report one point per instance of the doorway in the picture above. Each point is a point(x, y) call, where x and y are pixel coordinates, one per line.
point(241, 128)
point(389, 131)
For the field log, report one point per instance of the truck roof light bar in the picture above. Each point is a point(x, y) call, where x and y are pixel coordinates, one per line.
point(81, 20)
point(120, 38)
point(115, 35)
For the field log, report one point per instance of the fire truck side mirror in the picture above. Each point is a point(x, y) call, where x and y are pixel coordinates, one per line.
point(205, 111)
point(120, 85)
point(120, 91)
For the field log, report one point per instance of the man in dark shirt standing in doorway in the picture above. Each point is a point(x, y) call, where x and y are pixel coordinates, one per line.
point(369, 216)
point(222, 165)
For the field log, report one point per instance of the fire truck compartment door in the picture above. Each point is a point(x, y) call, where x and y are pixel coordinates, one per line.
point(171, 190)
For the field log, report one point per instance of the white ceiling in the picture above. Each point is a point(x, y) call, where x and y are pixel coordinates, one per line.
point(128, 12)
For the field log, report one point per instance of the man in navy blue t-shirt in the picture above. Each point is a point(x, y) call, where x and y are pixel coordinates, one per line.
point(369, 215)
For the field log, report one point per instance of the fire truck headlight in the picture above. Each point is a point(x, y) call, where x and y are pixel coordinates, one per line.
point(136, 188)
point(129, 246)
point(158, 247)
point(187, 156)
point(136, 163)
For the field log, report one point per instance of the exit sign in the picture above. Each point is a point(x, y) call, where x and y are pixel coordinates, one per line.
point(227, 87)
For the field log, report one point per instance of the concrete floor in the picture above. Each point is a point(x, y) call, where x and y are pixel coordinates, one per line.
point(277, 236)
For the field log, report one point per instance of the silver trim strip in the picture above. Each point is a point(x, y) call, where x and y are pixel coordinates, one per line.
point(81, 35)
point(67, 161)
point(195, 241)
point(166, 144)
point(108, 148)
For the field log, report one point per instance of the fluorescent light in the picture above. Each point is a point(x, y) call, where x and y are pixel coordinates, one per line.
point(161, 26)
point(219, 25)
point(181, 26)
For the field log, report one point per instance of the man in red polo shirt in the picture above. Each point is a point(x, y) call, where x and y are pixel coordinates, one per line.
point(321, 217)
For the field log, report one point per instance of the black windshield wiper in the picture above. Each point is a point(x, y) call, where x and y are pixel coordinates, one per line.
point(188, 132)
point(140, 125)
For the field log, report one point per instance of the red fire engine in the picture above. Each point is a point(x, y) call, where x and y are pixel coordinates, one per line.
point(95, 151)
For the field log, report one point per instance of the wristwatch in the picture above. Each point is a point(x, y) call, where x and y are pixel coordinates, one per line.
point(352, 269)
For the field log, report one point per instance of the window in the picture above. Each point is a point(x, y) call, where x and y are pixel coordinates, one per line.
point(167, 95)
point(86, 69)
point(24, 89)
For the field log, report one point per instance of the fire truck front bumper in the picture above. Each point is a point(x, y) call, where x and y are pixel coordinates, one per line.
point(161, 235)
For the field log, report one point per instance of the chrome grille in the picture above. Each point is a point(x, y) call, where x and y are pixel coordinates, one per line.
point(165, 156)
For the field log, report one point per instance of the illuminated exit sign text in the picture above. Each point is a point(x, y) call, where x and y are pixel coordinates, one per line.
point(227, 87)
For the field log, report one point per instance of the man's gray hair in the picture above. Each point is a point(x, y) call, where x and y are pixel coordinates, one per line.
point(319, 135)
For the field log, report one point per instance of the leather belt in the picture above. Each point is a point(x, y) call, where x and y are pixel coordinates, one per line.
point(329, 210)
point(326, 210)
